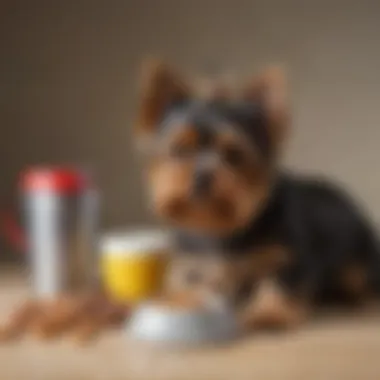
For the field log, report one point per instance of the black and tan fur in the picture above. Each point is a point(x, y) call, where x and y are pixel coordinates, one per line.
point(281, 242)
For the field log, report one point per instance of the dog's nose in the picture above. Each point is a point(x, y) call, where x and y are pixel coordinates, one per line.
point(202, 184)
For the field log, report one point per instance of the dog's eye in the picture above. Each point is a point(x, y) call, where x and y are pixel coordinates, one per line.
point(233, 156)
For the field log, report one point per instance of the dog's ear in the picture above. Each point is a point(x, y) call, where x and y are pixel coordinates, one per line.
point(269, 90)
point(160, 87)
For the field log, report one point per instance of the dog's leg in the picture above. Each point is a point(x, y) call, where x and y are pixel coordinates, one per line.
point(272, 307)
point(354, 281)
point(358, 288)
point(271, 304)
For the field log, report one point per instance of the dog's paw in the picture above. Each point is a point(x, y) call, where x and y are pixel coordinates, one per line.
point(272, 308)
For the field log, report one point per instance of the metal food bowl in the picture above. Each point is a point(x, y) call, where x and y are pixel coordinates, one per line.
point(161, 324)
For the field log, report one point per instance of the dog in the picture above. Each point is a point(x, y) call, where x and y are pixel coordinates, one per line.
point(281, 243)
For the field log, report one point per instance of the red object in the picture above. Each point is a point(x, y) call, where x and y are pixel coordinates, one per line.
point(54, 179)
point(13, 232)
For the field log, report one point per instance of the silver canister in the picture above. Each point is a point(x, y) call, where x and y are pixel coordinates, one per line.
point(60, 208)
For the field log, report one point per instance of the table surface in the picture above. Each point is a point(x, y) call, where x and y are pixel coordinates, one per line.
point(331, 347)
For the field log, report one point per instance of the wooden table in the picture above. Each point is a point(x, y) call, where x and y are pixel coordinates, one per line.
point(332, 348)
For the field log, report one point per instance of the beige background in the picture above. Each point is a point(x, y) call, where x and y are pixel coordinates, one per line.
point(68, 79)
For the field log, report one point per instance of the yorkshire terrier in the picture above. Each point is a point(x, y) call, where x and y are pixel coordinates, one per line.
point(269, 241)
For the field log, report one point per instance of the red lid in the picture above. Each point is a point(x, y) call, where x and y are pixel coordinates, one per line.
point(55, 179)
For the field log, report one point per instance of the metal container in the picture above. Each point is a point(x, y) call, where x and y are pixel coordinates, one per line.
point(60, 207)
point(159, 324)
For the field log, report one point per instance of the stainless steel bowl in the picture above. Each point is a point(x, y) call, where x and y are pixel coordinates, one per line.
point(152, 322)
